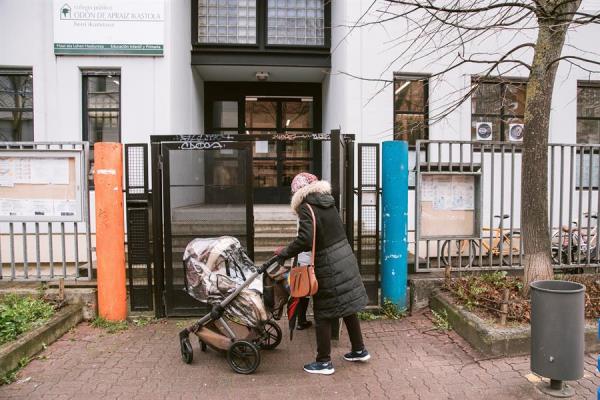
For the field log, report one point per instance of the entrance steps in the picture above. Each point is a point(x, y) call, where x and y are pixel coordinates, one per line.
point(274, 226)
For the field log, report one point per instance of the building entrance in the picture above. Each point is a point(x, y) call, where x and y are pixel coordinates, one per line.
point(269, 112)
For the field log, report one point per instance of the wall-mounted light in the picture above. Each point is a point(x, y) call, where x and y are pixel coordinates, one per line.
point(262, 76)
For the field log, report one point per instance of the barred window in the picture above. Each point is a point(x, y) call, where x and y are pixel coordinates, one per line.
point(101, 109)
point(16, 105)
point(498, 109)
point(588, 112)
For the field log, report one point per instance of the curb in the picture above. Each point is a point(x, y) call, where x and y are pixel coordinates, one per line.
point(494, 340)
point(32, 342)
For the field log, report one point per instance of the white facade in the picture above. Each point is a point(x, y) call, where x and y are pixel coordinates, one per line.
point(163, 95)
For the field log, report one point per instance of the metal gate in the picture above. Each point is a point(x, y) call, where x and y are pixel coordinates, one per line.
point(206, 191)
point(137, 204)
point(202, 186)
point(367, 240)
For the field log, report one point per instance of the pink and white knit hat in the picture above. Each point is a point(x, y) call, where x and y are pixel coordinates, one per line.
point(301, 180)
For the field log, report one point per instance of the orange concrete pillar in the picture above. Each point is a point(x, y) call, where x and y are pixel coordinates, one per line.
point(110, 231)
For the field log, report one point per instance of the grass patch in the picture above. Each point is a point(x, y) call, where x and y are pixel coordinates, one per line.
point(109, 326)
point(440, 320)
point(18, 314)
point(388, 310)
point(142, 321)
point(11, 376)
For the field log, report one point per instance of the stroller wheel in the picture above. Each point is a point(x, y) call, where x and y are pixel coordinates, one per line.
point(243, 357)
point(187, 353)
point(271, 336)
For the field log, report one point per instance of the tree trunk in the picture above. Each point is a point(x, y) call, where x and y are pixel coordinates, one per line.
point(534, 167)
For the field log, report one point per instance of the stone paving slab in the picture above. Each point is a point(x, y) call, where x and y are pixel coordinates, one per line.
point(411, 360)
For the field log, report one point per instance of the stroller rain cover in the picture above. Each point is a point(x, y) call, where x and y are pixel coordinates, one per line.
point(214, 268)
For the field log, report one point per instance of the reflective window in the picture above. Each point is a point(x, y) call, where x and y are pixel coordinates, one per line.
point(261, 114)
point(588, 113)
point(101, 109)
point(16, 106)
point(410, 108)
point(227, 21)
point(225, 114)
point(498, 110)
point(296, 22)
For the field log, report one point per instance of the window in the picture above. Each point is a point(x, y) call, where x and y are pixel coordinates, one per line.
point(260, 23)
point(588, 112)
point(101, 108)
point(411, 99)
point(498, 109)
point(296, 22)
point(16, 105)
point(227, 21)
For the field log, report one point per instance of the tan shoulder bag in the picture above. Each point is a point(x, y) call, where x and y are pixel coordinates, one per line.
point(303, 281)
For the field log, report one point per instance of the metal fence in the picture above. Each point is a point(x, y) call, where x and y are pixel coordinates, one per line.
point(495, 243)
point(43, 251)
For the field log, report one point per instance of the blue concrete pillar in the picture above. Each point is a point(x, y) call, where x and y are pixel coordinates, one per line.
point(394, 249)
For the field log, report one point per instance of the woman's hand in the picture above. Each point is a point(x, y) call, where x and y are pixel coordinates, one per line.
point(278, 252)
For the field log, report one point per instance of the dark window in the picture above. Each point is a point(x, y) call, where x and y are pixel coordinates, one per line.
point(101, 108)
point(588, 112)
point(16, 105)
point(498, 109)
point(411, 99)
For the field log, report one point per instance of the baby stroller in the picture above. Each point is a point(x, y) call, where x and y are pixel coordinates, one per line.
point(218, 272)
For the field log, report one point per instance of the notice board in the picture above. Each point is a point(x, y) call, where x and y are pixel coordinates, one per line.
point(449, 205)
point(41, 185)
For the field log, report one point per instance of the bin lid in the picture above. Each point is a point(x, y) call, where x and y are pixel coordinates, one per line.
point(557, 286)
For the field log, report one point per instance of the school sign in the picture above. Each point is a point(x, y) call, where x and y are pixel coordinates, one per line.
point(109, 27)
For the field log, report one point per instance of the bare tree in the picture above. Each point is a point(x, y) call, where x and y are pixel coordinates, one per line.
point(527, 36)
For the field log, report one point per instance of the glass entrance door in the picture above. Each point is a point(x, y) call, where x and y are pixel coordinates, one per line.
point(275, 161)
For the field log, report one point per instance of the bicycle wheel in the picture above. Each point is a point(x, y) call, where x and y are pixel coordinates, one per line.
point(462, 257)
point(559, 252)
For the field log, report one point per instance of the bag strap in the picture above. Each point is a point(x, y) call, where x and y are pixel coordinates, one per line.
point(314, 241)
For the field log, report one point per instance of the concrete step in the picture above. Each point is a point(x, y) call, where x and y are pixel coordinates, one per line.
point(212, 228)
point(272, 239)
point(275, 227)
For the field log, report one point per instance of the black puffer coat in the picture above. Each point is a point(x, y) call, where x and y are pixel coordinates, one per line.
point(341, 291)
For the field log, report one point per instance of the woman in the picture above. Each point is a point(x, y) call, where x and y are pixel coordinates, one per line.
point(341, 292)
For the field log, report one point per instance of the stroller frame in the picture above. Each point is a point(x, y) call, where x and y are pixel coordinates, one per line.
point(241, 343)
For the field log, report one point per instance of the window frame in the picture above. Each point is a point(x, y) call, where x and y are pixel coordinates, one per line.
point(262, 43)
point(412, 77)
point(503, 82)
point(85, 74)
point(585, 84)
point(21, 72)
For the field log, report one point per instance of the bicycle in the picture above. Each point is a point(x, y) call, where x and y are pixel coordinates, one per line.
point(580, 242)
point(502, 240)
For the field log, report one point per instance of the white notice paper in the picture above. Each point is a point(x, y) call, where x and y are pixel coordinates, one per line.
point(443, 193)
point(462, 193)
point(51, 171)
point(7, 175)
point(427, 188)
point(262, 146)
point(64, 208)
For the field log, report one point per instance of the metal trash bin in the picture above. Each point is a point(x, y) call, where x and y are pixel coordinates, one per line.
point(557, 333)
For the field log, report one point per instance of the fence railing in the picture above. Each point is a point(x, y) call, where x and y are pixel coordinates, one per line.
point(43, 251)
point(495, 243)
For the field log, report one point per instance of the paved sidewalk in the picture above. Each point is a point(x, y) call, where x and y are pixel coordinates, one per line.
point(410, 361)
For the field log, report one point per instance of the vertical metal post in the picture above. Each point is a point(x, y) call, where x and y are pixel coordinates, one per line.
point(394, 266)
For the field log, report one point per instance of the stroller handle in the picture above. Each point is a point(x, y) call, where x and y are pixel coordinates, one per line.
point(267, 264)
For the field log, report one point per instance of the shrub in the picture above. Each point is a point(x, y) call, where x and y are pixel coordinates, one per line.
point(19, 314)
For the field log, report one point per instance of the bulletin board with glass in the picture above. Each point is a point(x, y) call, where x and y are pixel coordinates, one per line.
point(449, 205)
point(41, 185)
